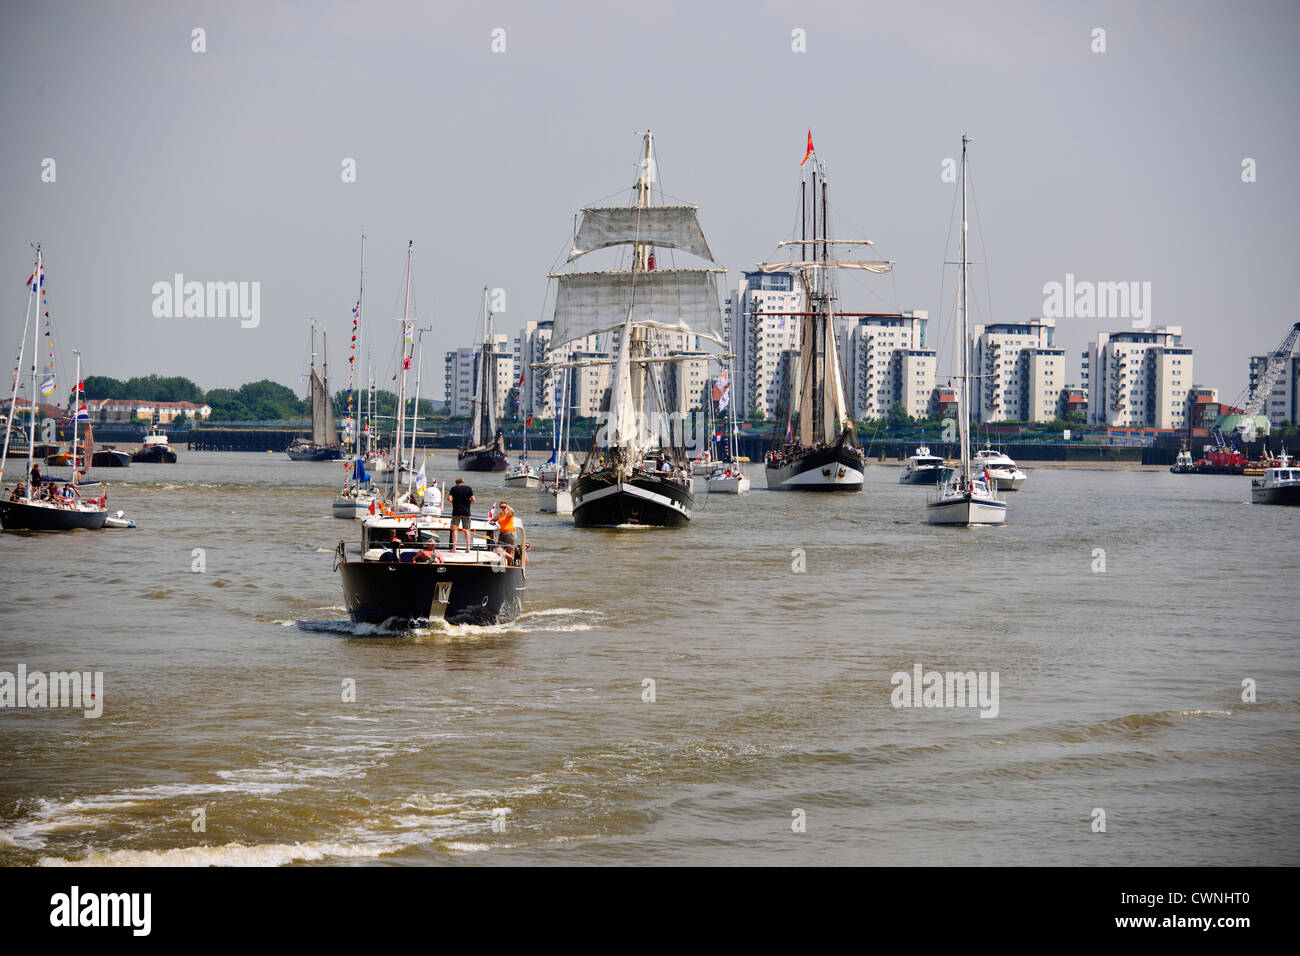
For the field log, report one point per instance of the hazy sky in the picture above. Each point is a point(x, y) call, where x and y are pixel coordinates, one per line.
point(226, 165)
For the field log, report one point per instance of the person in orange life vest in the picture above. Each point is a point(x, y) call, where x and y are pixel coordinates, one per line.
point(504, 519)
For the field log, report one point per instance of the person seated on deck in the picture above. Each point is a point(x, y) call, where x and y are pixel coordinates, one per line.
point(18, 492)
point(392, 546)
point(427, 554)
point(507, 536)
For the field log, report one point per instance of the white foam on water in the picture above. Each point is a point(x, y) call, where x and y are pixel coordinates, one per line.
point(89, 812)
point(231, 854)
point(457, 846)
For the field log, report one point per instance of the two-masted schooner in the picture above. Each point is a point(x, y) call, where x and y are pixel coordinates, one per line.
point(636, 473)
point(484, 448)
point(821, 450)
point(324, 442)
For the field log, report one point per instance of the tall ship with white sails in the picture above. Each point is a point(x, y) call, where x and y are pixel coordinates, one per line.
point(631, 475)
point(821, 450)
point(484, 448)
point(967, 497)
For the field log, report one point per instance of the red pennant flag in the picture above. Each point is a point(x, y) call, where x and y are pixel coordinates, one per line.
point(521, 376)
point(530, 420)
point(810, 149)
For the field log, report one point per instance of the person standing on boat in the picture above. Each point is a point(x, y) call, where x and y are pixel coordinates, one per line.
point(462, 496)
point(504, 519)
point(36, 476)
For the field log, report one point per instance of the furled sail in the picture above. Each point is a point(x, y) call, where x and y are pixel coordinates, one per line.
point(676, 300)
point(671, 226)
point(835, 415)
point(878, 266)
point(322, 421)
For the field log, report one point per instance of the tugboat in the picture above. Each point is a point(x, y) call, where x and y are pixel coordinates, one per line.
point(1184, 464)
point(155, 450)
point(407, 575)
point(1280, 484)
point(922, 468)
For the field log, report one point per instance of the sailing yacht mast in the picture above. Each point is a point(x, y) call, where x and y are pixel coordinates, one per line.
point(31, 425)
point(356, 353)
point(13, 397)
point(76, 406)
point(965, 343)
point(401, 398)
point(415, 410)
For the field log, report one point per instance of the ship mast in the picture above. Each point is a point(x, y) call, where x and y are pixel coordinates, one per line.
point(401, 398)
point(356, 354)
point(965, 344)
point(31, 426)
point(637, 343)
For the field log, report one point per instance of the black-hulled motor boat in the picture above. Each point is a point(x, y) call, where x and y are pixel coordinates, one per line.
point(110, 458)
point(923, 468)
point(385, 584)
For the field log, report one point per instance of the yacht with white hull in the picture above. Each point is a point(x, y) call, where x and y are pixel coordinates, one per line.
point(1001, 468)
point(966, 498)
point(1280, 484)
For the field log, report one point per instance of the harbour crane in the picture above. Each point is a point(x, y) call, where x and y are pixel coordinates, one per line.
point(1273, 368)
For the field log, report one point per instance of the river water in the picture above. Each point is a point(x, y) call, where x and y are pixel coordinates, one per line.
point(771, 735)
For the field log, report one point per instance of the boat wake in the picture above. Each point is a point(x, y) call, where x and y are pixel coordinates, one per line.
point(451, 822)
point(546, 620)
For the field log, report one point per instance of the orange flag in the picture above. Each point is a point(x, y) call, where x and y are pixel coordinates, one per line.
point(810, 149)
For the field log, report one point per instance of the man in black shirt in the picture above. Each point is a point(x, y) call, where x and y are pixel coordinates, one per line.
point(462, 496)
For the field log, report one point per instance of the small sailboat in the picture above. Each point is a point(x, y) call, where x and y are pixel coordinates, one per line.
point(553, 494)
point(33, 504)
point(484, 448)
point(727, 478)
point(965, 498)
point(522, 474)
point(357, 495)
point(324, 442)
